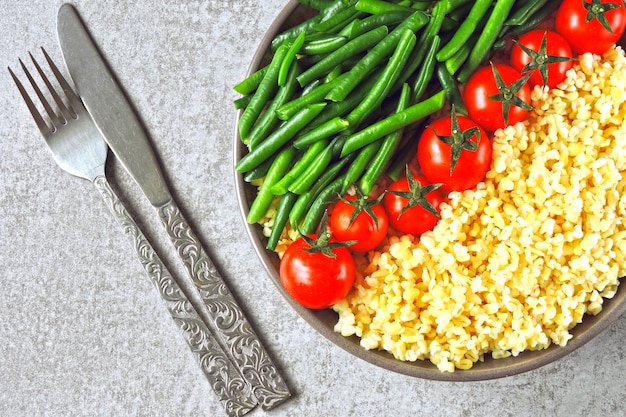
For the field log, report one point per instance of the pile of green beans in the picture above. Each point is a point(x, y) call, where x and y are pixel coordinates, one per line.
point(329, 110)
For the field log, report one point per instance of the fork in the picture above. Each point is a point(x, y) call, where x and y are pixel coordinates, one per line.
point(79, 148)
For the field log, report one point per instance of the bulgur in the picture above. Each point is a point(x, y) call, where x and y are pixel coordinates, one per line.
point(514, 264)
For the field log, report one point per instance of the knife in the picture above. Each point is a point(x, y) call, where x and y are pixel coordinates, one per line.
point(118, 123)
point(222, 375)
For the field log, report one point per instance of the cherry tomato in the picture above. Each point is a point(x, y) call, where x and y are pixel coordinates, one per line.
point(316, 279)
point(412, 204)
point(495, 106)
point(605, 27)
point(554, 60)
point(435, 150)
point(368, 229)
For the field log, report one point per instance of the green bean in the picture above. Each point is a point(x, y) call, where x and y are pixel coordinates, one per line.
point(310, 87)
point(359, 27)
point(390, 106)
point(316, 211)
point(337, 145)
point(250, 83)
point(313, 171)
point(394, 122)
point(300, 207)
point(279, 137)
point(266, 89)
point(451, 88)
point(352, 48)
point(304, 201)
point(456, 4)
point(380, 6)
point(268, 121)
point(290, 55)
point(421, 5)
point(317, 4)
point(448, 25)
point(264, 197)
point(287, 110)
point(424, 45)
point(460, 13)
point(407, 149)
point(434, 26)
point(323, 131)
point(376, 114)
point(388, 146)
point(536, 19)
point(242, 102)
point(522, 14)
point(358, 167)
point(385, 82)
point(299, 167)
point(458, 59)
point(375, 55)
point(318, 36)
point(333, 74)
point(308, 61)
point(486, 39)
point(340, 108)
point(337, 21)
point(349, 30)
point(307, 25)
point(426, 72)
point(499, 44)
point(294, 31)
point(258, 172)
point(402, 158)
point(280, 219)
point(324, 46)
point(465, 30)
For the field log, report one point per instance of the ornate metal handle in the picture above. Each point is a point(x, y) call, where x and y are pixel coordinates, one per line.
point(227, 319)
point(232, 389)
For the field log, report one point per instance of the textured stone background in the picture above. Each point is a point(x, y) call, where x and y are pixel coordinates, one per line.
point(83, 333)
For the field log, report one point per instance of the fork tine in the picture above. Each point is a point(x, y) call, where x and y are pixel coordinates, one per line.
point(41, 124)
point(72, 97)
point(65, 112)
point(54, 118)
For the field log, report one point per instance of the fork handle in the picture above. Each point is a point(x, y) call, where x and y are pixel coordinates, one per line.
point(230, 386)
point(226, 317)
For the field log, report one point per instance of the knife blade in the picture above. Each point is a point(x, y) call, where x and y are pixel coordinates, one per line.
point(116, 119)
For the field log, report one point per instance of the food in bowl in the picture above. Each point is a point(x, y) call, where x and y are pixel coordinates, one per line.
point(501, 271)
point(516, 262)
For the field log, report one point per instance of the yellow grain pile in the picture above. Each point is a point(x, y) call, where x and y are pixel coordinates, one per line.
point(514, 264)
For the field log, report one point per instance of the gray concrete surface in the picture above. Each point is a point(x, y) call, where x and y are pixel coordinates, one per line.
point(83, 333)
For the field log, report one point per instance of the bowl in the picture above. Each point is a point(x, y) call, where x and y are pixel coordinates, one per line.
point(324, 320)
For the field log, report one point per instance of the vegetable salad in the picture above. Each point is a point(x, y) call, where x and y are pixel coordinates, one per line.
point(436, 172)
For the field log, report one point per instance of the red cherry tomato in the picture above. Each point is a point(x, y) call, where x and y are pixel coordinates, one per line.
point(415, 219)
point(481, 97)
point(435, 156)
point(557, 49)
point(364, 229)
point(316, 280)
point(591, 36)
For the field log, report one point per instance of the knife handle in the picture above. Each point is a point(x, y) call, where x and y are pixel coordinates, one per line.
point(223, 376)
point(226, 317)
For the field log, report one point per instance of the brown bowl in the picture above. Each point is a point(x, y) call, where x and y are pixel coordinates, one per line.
point(324, 320)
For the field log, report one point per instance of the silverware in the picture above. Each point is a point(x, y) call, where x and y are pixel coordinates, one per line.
point(78, 147)
point(115, 118)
